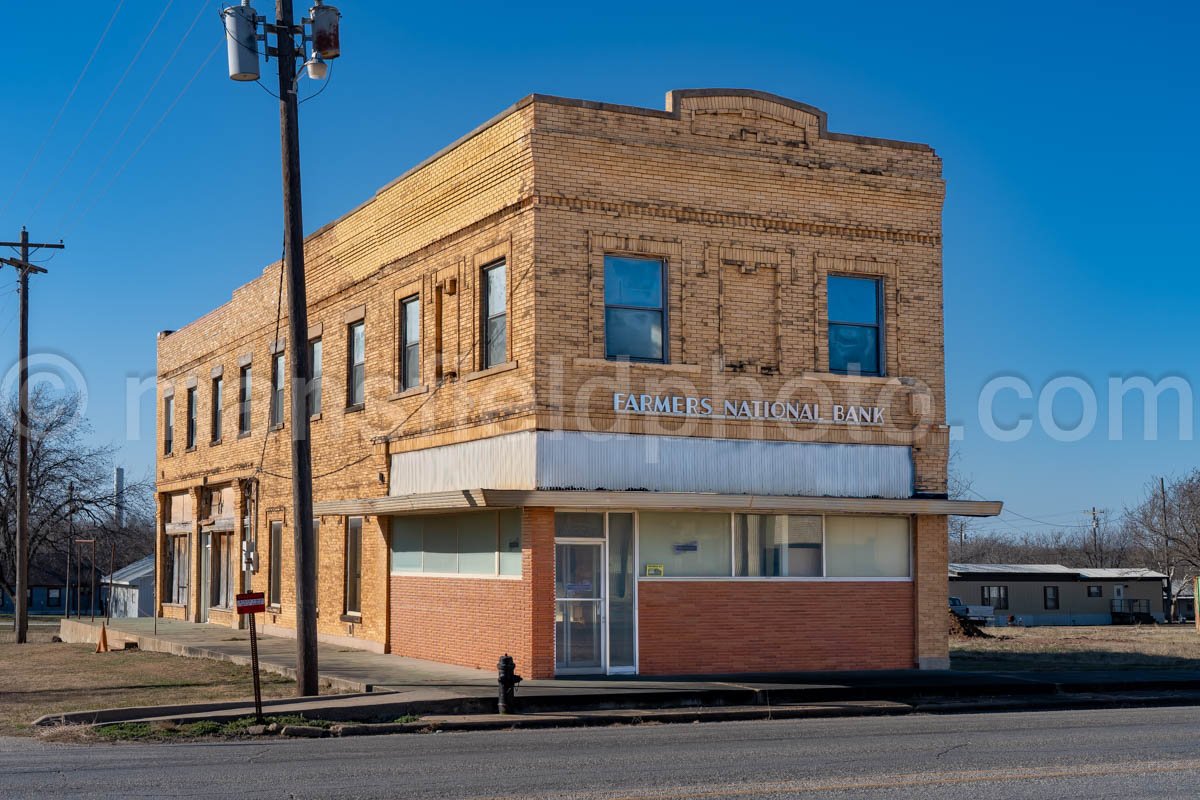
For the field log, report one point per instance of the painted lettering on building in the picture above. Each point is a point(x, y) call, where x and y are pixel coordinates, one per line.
point(677, 405)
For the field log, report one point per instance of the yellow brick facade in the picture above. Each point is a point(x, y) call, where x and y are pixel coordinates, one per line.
point(748, 198)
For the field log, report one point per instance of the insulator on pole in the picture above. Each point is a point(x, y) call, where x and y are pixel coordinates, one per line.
point(241, 40)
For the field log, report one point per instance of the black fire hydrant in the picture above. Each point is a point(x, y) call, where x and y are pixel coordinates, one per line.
point(508, 680)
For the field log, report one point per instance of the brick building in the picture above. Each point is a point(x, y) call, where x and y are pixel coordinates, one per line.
point(608, 388)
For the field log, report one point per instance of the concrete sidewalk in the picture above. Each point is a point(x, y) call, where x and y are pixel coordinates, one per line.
point(386, 686)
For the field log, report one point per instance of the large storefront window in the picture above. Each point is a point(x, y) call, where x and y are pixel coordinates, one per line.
point(473, 543)
point(679, 544)
point(710, 545)
point(777, 545)
point(866, 547)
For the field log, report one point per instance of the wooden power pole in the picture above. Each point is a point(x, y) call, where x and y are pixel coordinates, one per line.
point(293, 264)
point(24, 268)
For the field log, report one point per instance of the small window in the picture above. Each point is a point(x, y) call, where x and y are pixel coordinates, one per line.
point(1050, 596)
point(169, 424)
point(191, 418)
point(244, 396)
point(994, 596)
point(854, 325)
point(356, 355)
point(54, 598)
point(218, 407)
point(275, 575)
point(1095, 591)
point(312, 397)
point(410, 342)
point(495, 315)
point(633, 308)
point(277, 368)
point(354, 565)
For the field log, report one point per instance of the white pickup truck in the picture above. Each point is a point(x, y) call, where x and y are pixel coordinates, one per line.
point(973, 613)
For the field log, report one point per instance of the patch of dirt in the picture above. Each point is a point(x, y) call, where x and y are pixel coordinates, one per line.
point(963, 628)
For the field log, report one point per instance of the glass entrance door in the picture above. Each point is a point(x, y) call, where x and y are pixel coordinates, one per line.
point(579, 607)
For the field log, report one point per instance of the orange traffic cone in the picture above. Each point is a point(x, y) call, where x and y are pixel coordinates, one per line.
point(102, 643)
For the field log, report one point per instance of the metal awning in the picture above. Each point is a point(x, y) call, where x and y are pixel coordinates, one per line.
point(657, 501)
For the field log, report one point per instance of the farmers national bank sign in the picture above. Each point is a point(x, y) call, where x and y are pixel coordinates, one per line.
point(678, 405)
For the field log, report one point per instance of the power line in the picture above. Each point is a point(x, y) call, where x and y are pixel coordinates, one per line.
point(45, 139)
point(150, 133)
point(129, 122)
point(104, 107)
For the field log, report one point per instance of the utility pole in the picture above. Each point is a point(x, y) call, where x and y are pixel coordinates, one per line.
point(1162, 494)
point(24, 268)
point(241, 25)
point(1096, 538)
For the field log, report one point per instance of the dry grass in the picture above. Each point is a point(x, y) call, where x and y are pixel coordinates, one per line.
point(1084, 647)
point(43, 678)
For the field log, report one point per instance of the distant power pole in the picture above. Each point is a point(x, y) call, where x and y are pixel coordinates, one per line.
point(1096, 536)
point(24, 268)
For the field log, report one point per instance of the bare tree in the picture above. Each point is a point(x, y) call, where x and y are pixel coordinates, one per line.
point(959, 486)
point(1165, 525)
point(70, 484)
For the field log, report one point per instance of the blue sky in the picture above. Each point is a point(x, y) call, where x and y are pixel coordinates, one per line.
point(1066, 131)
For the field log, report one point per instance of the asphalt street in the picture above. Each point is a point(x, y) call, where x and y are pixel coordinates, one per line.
point(1128, 754)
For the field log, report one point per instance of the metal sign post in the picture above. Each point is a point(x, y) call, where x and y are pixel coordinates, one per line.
point(252, 603)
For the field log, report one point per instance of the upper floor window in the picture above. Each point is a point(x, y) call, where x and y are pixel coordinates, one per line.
point(495, 315)
point(218, 407)
point(312, 397)
point(356, 358)
point(191, 418)
point(854, 325)
point(633, 308)
point(277, 390)
point(410, 342)
point(169, 424)
point(244, 386)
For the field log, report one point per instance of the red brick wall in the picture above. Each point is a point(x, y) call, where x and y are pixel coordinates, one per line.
point(467, 621)
point(473, 621)
point(687, 627)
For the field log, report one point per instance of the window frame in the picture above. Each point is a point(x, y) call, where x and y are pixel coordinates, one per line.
point(356, 372)
point(404, 345)
point(217, 409)
point(275, 563)
point(485, 361)
point(245, 399)
point(275, 415)
point(1047, 591)
point(169, 424)
point(878, 326)
point(662, 308)
point(191, 419)
point(312, 392)
point(1099, 590)
point(986, 598)
point(352, 583)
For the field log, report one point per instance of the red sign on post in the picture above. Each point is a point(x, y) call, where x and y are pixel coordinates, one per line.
point(251, 603)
